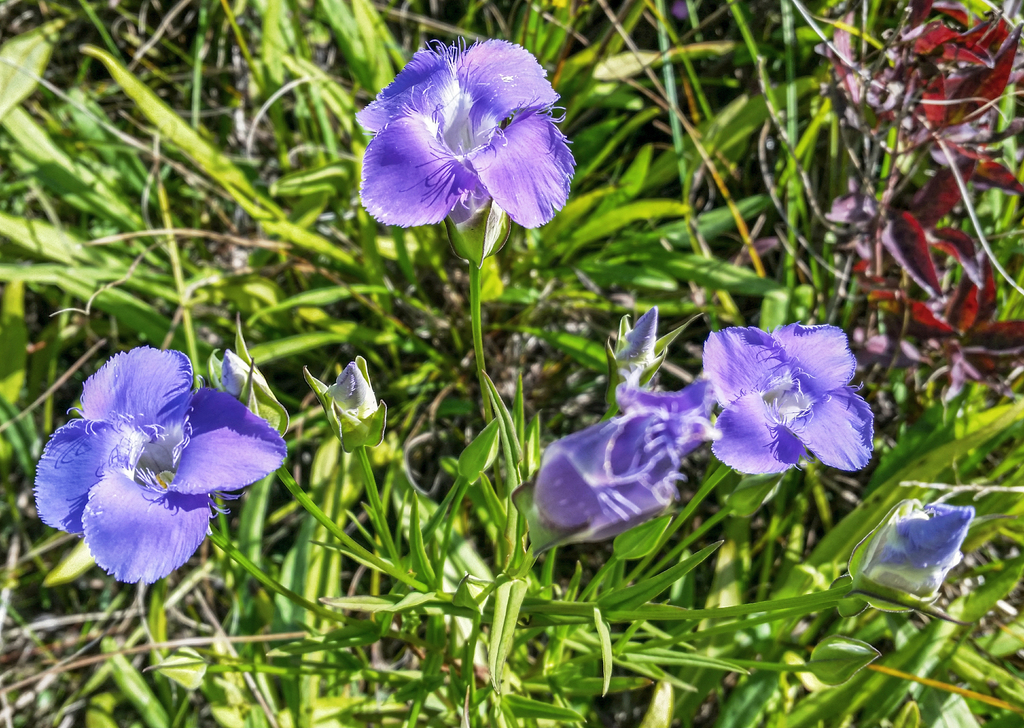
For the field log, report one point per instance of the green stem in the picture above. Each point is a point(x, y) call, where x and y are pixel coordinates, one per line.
point(462, 485)
point(476, 318)
point(355, 550)
point(260, 575)
point(380, 521)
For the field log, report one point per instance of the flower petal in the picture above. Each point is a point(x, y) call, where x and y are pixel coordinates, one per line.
point(503, 77)
point(750, 442)
point(410, 177)
point(228, 447)
point(74, 460)
point(821, 352)
point(424, 84)
point(839, 430)
point(139, 534)
point(526, 168)
point(739, 360)
point(146, 385)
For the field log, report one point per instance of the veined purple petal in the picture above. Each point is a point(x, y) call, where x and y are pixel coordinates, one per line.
point(74, 460)
point(821, 352)
point(424, 83)
point(141, 534)
point(839, 430)
point(228, 447)
point(740, 360)
point(526, 168)
point(750, 441)
point(503, 77)
point(410, 177)
point(145, 385)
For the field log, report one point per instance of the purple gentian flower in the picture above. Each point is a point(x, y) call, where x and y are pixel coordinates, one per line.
point(784, 391)
point(458, 127)
point(137, 472)
point(603, 480)
point(905, 560)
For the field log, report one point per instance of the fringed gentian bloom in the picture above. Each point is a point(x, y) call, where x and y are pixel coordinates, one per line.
point(458, 127)
point(607, 478)
point(137, 472)
point(904, 561)
point(784, 391)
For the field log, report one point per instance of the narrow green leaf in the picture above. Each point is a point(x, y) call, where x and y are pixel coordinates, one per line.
point(76, 562)
point(648, 589)
point(508, 598)
point(480, 454)
point(606, 649)
point(528, 708)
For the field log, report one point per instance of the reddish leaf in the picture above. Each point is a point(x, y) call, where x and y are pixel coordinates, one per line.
point(1002, 338)
point(987, 294)
point(960, 245)
point(974, 86)
point(922, 322)
point(962, 309)
point(934, 35)
point(919, 10)
point(989, 175)
point(952, 45)
point(951, 9)
point(962, 54)
point(939, 195)
point(933, 99)
point(904, 238)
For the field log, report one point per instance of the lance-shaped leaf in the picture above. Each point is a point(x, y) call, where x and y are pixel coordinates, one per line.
point(836, 659)
point(508, 599)
point(752, 492)
point(75, 563)
point(637, 542)
point(480, 454)
point(961, 246)
point(648, 589)
point(992, 175)
point(904, 238)
point(939, 195)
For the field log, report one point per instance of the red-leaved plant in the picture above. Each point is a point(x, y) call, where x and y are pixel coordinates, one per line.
point(934, 89)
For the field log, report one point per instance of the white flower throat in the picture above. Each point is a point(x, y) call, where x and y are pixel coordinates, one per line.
point(786, 401)
point(158, 462)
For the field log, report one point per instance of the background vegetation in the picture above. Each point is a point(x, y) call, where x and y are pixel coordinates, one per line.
point(166, 168)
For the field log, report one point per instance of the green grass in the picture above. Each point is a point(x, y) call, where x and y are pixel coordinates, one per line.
point(155, 197)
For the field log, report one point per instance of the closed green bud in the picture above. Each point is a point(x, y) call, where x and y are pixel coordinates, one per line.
point(352, 409)
point(237, 375)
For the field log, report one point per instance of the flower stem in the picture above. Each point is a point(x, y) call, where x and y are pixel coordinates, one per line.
point(352, 549)
point(380, 522)
point(478, 335)
point(257, 573)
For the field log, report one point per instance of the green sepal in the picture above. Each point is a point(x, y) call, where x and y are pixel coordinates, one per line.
point(481, 236)
point(352, 431)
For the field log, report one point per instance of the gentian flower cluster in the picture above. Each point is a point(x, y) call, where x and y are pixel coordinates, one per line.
point(603, 480)
point(786, 391)
point(903, 562)
point(136, 474)
point(459, 127)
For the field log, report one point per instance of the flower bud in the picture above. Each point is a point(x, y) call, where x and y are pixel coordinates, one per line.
point(479, 232)
point(605, 479)
point(351, 406)
point(237, 375)
point(637, 352)
point(903, 562)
